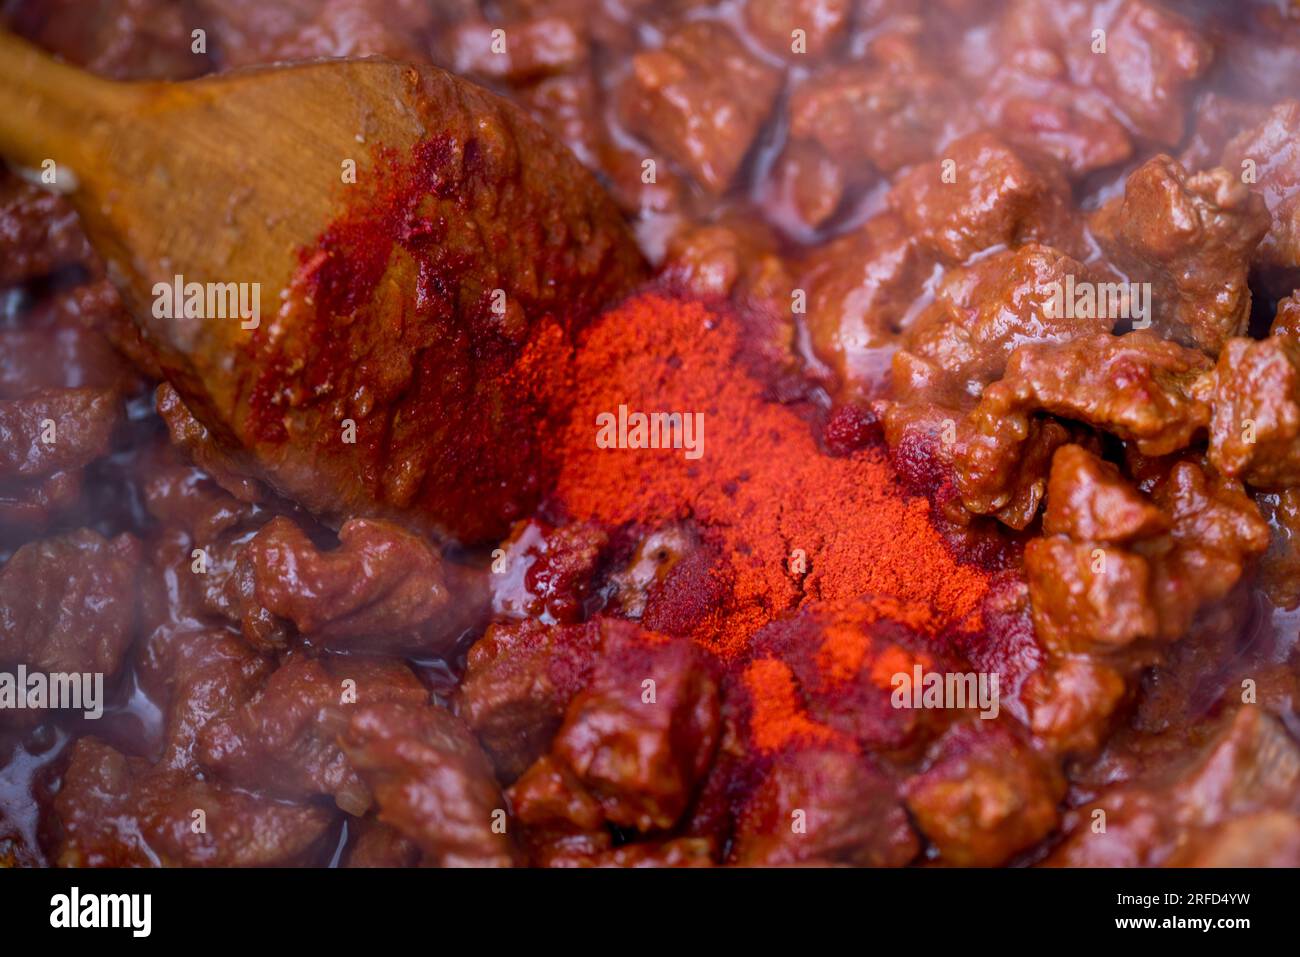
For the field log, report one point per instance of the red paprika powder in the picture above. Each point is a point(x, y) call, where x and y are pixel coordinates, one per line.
point(791, 524)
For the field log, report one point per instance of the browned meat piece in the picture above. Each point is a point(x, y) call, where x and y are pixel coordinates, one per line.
point(992, 195)
point(67, 604)
point(824, 807)
point(1136, 386)
point(1152, 55)
point(736, 258)
point(32, 506)
point(1255, 426)
point(373, 844)
point(549, 796)
point(700, 99)
point(196, 675)
point(1217, 531)
point(824, 24)
point(1287, 320)
point(115, 811)
point(187, 497)
point(1090, 596)
point(63, 356)
point(1070, 702)
point(1262, 839)
point(1191, 237)
point(202, 448)
point(533, 48)
point(891, 110)
point(282, 741)
point(248, 32)
point(984, 796)
point(678, 852)
point(1087, 597)
point(1032, 102)
point(641, 734)
point(569, 105)
point(121, 39)
point(548, 570)
point(1251, 765)
point(1274, 147)
point(859, 288)
point(1088, 499)
point(982, 312)
point(1217, 118)
point(520, 678)
point(382, 589)
point(432, 782)
point(56, 430)
point(39, 232)
point(805, 186)
point(1280, 566)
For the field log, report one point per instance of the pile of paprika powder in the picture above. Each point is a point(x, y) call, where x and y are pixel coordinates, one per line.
point(788, 526)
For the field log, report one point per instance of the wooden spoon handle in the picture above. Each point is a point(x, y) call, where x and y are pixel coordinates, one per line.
point(49, 110)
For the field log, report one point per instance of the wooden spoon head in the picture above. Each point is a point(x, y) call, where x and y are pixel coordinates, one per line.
point(417, 303)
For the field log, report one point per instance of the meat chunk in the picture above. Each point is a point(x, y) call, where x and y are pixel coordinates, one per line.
point(283, 740)
point(1217, 531)
point(1280, 566)
point(1255, 426)
point(1088, 499)
point(891, 110)
point(548, 570)
point(1034, 103)
point(1136, 386)
point(55, 431)
point(990, 195)
point(1088, 598)
point(1192, 237)
point(859, 288)
point(1091, 596)
point(519, 679)
point(985, 796)
point(196, 675)
point(1250, 765)
point(201, 446)
point(39, 232)
point(700, 99)
point(641, 735)
point(120, 39)
point(378, 845)
point(431, 782)
point(804, 188)
point(1070, 702)
point(1273, 146)
point(824, 24)
point(67, 604)
point(382, 589)
point(1151, 57)
point(983, 312)
point(534, 48)
point(250, 33)
point(116, 811)
point(824, 807)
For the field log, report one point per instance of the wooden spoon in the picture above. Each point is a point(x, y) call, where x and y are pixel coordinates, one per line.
point(235, 177)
